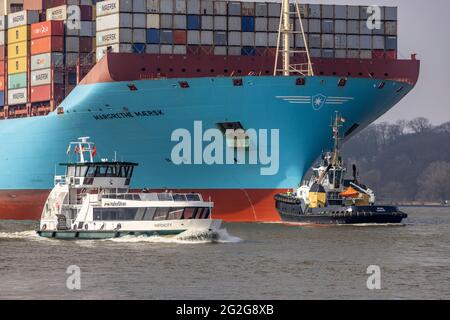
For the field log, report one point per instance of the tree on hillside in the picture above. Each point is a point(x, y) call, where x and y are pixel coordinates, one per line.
point(419, 125)
point(434, 182)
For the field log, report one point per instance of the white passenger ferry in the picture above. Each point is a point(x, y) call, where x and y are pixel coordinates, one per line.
point(93, 201)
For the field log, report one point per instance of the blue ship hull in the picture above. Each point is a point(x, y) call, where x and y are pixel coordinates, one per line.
point(136, 120)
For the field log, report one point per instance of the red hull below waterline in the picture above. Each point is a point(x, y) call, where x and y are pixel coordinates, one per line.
point(230, 205)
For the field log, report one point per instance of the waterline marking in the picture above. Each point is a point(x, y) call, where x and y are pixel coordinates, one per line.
point(241, 147)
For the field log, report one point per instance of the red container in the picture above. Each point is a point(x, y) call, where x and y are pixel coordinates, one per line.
point(86, 13)
point(44, 93)
point(391, 55)
point(207, 50)
point(2, 68)
point(179, 36)
point(261, 51)
point(192, 49)
point(37, 4)
point(48, 44)
point(86, 44)
point(2, 83)
point(378, 54)
point(2, 53)
point(47, 29)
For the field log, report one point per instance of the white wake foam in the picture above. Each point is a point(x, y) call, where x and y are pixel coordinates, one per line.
point(24, 235)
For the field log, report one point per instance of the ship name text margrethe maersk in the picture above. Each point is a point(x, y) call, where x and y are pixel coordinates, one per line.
point(237, 144)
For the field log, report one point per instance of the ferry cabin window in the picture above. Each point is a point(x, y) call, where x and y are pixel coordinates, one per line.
point(161, 214)
point(189, 213)
point(192, 197)
point(175, 214)
point(149, 214)
point(80, 171)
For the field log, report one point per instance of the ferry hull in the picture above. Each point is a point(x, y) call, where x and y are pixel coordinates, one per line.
point(99, 235)
point(136, 120)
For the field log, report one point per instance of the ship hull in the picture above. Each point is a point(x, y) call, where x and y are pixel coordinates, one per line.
point(136, 121)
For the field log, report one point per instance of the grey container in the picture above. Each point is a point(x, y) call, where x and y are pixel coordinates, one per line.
point(314, 11)
point(327, 11)
point(380, 31)
point(365, 42)
point(363, 29)
point(328, 53)
point(179, 21)
point(353, 12)
point(391, 28)
point(152, 48)
point(72, 44)
point(179, 49)
point(274, 9)
point(234, 51)
point(139, 6)
point(153, 7)
point(234, 23)
point(220, 23)
point(353, 54)
point(390, 13)
point(248, 39)
point(139, 35)
point(166, 49)
point(139, 20)
point(234, 38)
point(207, 7)
point(122, 20)
point(340, 54)
point(207, 22)
point(378, 42)
point(261, 39)
point(314, 40)
point(363, 15)
point(87, 28)
point(315, 53)
point(272, 38)
point(193, 6)
point(180, 6)
point(220, 38)
point(299, 41)
point(234, 8)
point(353, 42)
point(220, 51)
point(273, 24)
point(166, 37)
point(340, 12)
point(327, 41)
point(327, 26)
point(305, 25)
point(72, 59)
point(248, 9)
point(110, 37)
point(340, 26)
point(166, 6)
point(365, 54)
point(193, 37)
point(353, 27)
point(340, 41)
point(220, 8)
point(261, 9)
point(314, 26)
point(391, 43)
point(46, 60)
point(206, 37)
point(261, 24)
point(166, 21)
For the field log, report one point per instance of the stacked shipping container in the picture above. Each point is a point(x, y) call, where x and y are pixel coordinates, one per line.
point(18, 55)
point(241, 28)
point(3, 21)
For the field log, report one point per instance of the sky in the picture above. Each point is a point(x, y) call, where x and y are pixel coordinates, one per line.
point(424, 28)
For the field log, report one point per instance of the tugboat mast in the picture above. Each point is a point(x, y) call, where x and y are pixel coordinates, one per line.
point(337, 152)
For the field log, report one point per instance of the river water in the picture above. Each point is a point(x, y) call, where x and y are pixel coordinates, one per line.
point(250, 261)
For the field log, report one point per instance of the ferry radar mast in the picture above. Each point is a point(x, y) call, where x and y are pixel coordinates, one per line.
point(285, 31)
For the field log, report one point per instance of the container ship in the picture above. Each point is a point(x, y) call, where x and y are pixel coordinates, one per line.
point(129, 73)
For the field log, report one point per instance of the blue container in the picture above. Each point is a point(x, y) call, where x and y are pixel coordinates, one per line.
point(248, 24)
point(248, 51)
point(153, 36)
point(2, 98)
point(193, 22)
point(391, 43)
point(138, 47)
point(166, 37)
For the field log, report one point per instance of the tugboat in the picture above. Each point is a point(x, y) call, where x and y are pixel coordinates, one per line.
point(93, 201)
point(328, 198)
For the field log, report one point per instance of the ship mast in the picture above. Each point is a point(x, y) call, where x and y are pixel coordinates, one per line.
point(285, 30)
point(336, 153)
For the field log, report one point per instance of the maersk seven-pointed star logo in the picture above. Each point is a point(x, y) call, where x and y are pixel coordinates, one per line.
point(318, 101)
